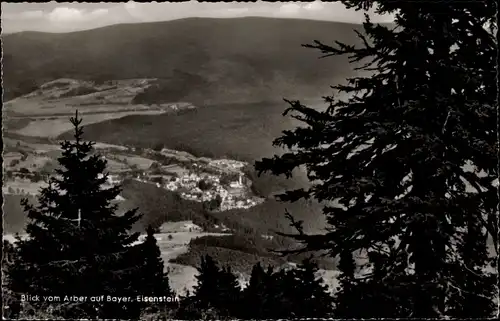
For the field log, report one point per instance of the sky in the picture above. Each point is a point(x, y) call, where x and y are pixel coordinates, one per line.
point(66, 16)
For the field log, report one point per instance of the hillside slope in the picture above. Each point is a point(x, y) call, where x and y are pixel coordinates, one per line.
point(200, 60)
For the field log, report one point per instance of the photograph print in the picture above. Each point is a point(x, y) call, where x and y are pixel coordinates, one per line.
point(250, 160)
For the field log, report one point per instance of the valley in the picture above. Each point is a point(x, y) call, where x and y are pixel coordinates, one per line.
point(180, 127)
point(190, 199)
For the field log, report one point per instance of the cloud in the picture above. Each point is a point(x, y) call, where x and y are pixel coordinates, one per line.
point(314, 6)
point(64, 14)
point(290, 9)
point(70, 15)
point(333, 11)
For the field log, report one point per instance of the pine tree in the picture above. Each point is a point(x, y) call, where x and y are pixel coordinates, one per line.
point(393, 154)
point(153, 281)
point(477, 282)
point(287, 293)
point(310, 297)
point(77, 245)
point(273, 298)
point(208, 272)
point(228, 293)
point(256, 295)
point(216, 294)
point(283, 295)
point(346, 297)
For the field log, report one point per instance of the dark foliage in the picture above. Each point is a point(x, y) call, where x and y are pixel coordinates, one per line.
point(239, 261)
point(217, 292)
point(241, 131)
point(158, 147)
point(204, 185)
point(170, 90)
point(159, 205)
point(252, 244)
point(288, 293)
point(76, 243)
point(23, 87)
point(394, 155)
point(153, 281)
point(257, 296)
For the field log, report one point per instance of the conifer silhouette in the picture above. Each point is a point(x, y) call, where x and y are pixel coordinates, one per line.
point(256, 296)
point(312, 297)
point(153, 281)
point(77, 245)
point(393, 154)
point(216, 294)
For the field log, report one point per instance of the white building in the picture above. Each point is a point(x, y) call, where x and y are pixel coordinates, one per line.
point(238, 183)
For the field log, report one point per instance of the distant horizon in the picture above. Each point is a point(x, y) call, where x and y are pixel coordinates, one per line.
point(186, 18)
point(61, 17)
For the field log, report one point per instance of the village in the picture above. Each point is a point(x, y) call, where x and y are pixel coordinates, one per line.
point(219, 184)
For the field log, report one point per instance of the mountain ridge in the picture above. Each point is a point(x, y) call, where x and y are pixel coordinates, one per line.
point(203, 60)
point(183, 19)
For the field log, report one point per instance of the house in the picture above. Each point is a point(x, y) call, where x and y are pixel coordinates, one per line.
point(113, 179)
point(238, 183)
point(171, 186)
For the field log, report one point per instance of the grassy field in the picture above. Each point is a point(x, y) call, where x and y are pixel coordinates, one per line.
point(54, 126)
point(46, 111)
point(140, 162)
point(62, 96)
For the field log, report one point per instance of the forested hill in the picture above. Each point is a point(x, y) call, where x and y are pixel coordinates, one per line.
point(198, 59)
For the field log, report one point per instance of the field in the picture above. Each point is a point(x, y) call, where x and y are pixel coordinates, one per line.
point(28, 161)
point(46, 111)
point(23, 187)
point(55, 126)
point(181, 277)
point(140, 162)
point(62, 96)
